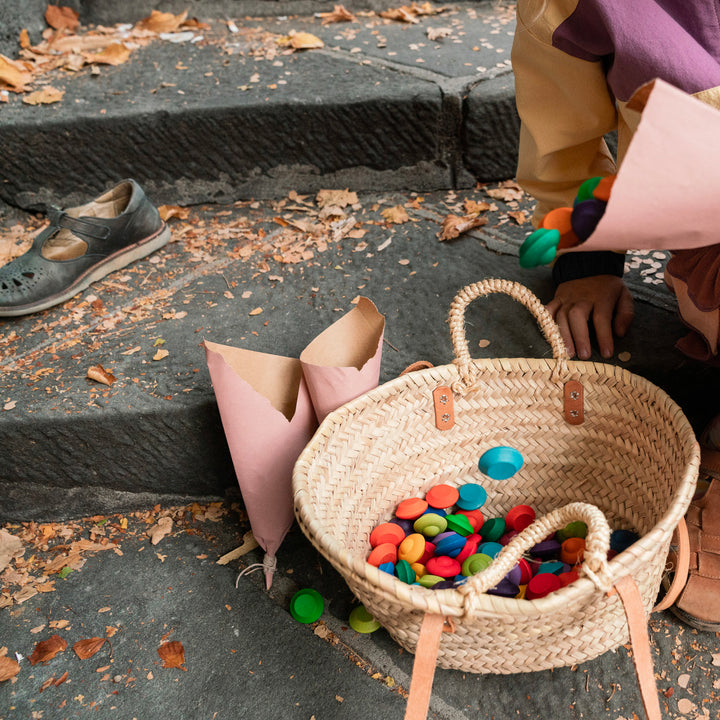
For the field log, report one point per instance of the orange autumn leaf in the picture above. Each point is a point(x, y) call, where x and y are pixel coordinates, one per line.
point(301, 41)
point(339, 198)
point(173, 211)
point(339, 14)
point(115, 54)
point(99, 374)
point(62, 18)
point(47, 649)
point(85, 649)
point(14, 74)
point(24, 39)
point(9, 668)
point(47, 96)
point(507, 191)
point(161, 22)
point(172, 654)
point(455, 225)
point(396, 215)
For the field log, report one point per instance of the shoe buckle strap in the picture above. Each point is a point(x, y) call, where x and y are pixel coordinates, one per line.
point(82, 226)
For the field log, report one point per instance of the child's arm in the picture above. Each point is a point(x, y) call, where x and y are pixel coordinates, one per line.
point(565, 110)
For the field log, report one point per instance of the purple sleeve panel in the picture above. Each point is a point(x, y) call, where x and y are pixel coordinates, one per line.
point(640, 40)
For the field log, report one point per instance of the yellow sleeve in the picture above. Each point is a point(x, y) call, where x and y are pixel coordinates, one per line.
point(565, 108)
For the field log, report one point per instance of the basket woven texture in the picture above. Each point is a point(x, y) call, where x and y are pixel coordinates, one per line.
point(633, 462)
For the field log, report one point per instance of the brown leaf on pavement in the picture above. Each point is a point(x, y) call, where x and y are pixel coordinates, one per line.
point(507, 191)
point(158, 531)
point(10, 547)
point(47, 649)
point(396, 215)
point(301, 41)
point(339, 14)
point(9, 668)
point(85, 649)
point(62, 18)
point(340, 198)
point(172, 654)
point(173, 211)
point(46, 96)
point(162, 22)
point(13, 74)
point(114, 54)
point(455, 225)
point(99, 374)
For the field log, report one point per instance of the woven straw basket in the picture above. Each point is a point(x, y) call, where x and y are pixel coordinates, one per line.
point(631, 462)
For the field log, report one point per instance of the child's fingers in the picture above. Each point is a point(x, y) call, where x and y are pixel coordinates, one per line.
point(602, 322)
point(555, 309)
point(624, 313)
point(578, 318)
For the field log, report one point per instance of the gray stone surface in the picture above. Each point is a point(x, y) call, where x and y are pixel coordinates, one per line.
point(382, 105)
point(245, 657)
point(156, 429)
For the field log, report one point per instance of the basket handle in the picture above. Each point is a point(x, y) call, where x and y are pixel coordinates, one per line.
point(597, 544)
point(466, 368)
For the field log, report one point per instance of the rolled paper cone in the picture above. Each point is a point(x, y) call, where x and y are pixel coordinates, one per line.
point(343, 362)
point(665, 193)
point(268, 419)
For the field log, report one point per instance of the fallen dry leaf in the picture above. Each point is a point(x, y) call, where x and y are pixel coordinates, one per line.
point(249, 543)
point(172, 654)
point(173, 211)
point(455, 225)
point(519, 216)
point(396, 215)
point(339, 14)
point(47, 96)
point(340, 198)
point(162, 22)
point(437, 33)
point(85, 649)
point(161, 354)
point(14, 74)
point(101, 375)
point(256, 311)
point(9, 668)
point(10, 547)
point(47, 649)
point(158, 531)
point(301, 41)
point(62, 18)
point(507, 191)
point(115, 54)
point(9, 405)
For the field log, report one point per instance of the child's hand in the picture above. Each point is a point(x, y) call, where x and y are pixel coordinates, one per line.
point(602, 299)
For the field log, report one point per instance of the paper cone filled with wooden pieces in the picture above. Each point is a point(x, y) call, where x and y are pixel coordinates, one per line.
point(270, 404)
point(665, 194)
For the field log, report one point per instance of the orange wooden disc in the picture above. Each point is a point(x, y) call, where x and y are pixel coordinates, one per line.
point(387, 533)
point(385, 552)
point(604, 188)
point(558, 219)
point(442, 496)
point(411, 509)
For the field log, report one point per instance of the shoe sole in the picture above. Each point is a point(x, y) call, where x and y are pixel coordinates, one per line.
point(693, 621)
point(113, 262)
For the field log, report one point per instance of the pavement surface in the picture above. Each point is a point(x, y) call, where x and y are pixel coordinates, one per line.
point(87, 469)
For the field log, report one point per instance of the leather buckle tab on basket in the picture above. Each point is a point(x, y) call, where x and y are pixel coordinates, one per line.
point(574, 402)
point(444, 407)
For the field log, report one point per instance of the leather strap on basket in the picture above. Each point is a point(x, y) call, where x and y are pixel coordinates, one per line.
point(681, 570)
point(424, 667)
point(629, 593)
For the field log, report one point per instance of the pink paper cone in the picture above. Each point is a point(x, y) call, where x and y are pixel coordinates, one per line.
point(268, 419)
point(343, 362)
point(666, 190)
